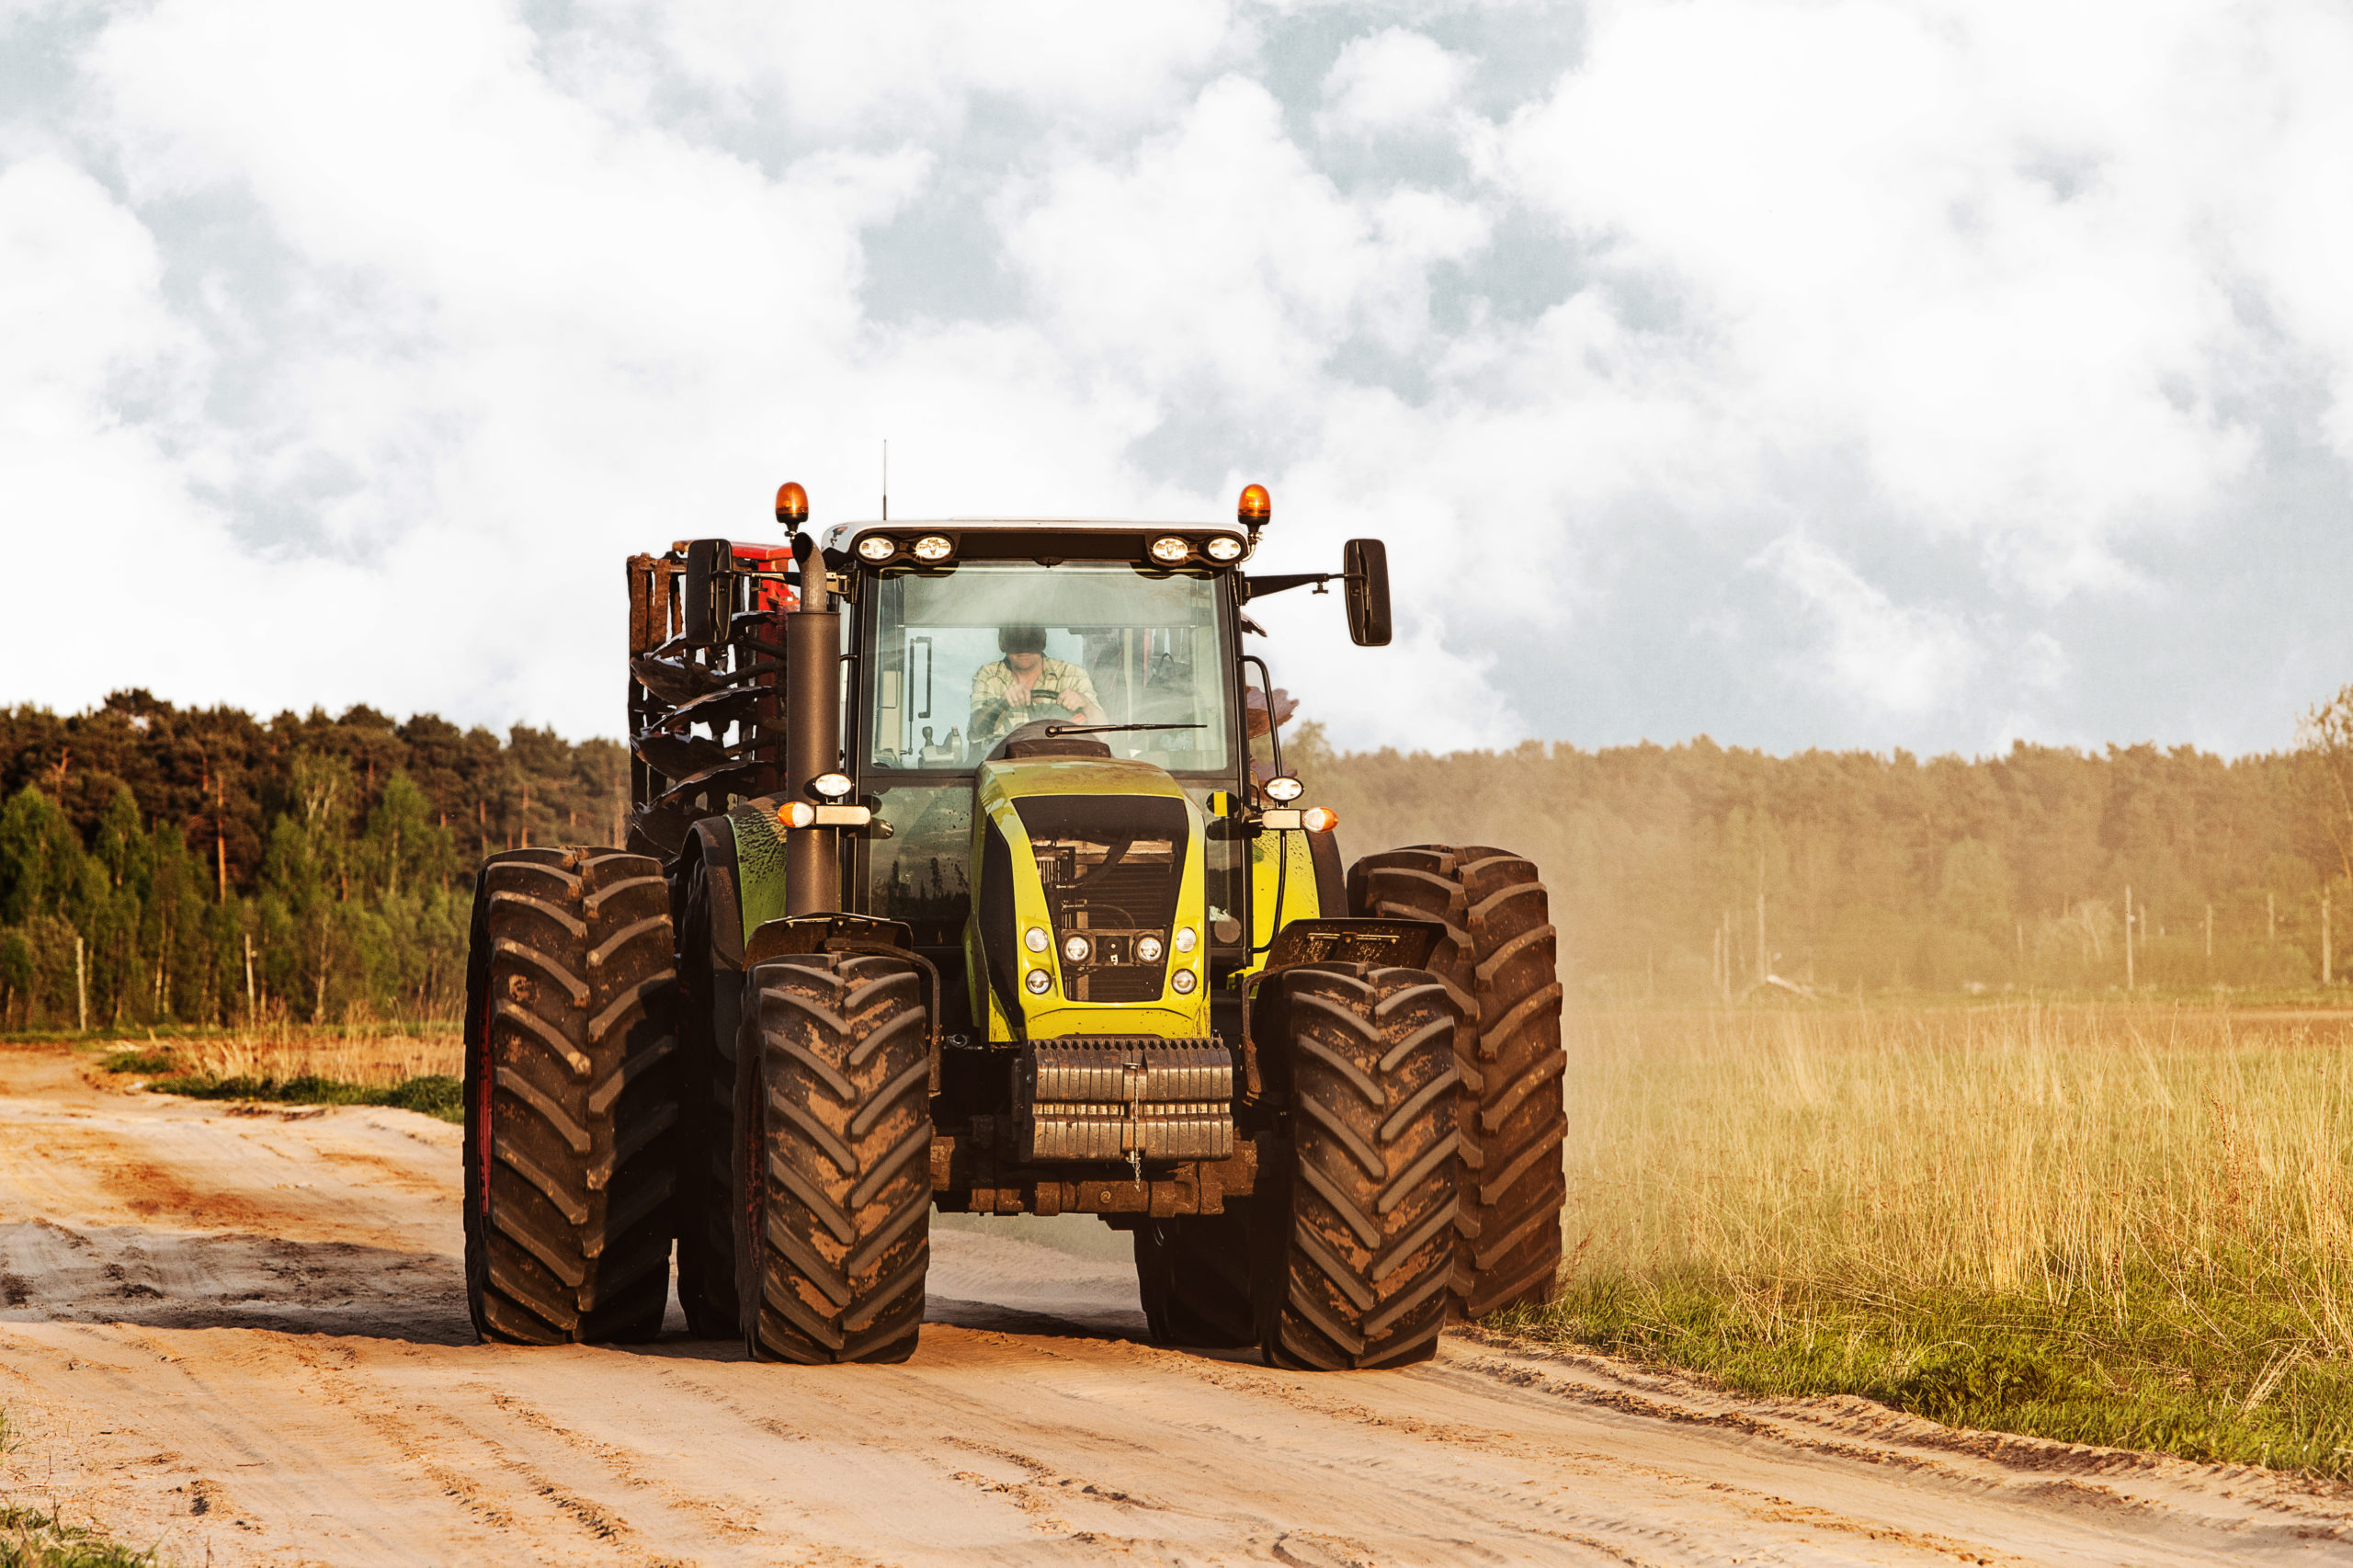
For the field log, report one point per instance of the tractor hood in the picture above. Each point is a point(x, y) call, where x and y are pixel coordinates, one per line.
point(1089, 907)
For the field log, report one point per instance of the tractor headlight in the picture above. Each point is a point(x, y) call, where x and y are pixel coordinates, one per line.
point(933, 546)
point(1036, 939)
point(1183, 981)
point(875, 547)
point(833, 786)
point(1148, 949)
point(1169, 549)
point(1076, 948)
point(1186, 938)
point(1038, 981)
point(1283, 787)
point(1224, 547)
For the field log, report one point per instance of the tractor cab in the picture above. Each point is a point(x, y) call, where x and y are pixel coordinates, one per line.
point(1077, 692)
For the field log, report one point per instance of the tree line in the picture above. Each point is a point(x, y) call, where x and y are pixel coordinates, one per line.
point(165, 865)
point(1699, 871)
point(200, 866)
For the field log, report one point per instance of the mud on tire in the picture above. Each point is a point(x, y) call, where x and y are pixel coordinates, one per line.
point(1499, 956)
point(1193, 1272)
point(1358, 1245)
point(571, 1098)
point(833, 1158)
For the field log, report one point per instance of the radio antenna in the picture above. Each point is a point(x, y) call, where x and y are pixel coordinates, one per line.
point(886, 479)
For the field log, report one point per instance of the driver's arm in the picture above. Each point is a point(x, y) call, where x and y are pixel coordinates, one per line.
point(1078, 695)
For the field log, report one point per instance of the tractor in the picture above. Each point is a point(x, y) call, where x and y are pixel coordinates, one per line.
point(964, 872)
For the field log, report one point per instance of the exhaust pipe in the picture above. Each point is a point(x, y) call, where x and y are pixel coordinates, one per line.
point(812, 732)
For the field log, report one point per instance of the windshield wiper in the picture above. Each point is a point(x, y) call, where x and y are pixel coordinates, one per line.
point(1113, 729)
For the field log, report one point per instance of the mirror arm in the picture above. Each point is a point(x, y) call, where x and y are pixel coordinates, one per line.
point(1259, 587)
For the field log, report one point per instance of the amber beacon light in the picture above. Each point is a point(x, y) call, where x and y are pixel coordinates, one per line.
point(1256, 507)
point(792, 505)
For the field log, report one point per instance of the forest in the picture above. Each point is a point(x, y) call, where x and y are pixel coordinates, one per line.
point(162, 865)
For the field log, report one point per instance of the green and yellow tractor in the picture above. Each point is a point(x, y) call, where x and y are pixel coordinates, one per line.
point(965, 873)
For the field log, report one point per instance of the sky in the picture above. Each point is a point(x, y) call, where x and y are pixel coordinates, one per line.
point(1799, 373)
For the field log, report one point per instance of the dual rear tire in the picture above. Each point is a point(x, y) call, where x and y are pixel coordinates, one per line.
point(571, 1098)
point(1498, 956)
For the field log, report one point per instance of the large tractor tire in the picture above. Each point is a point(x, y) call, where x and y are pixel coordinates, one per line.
point(571, 1098)
point(710, 1002)
point(1356, 1264)
point(1500, 956)
point(1193, 1272)
point(833, 1159)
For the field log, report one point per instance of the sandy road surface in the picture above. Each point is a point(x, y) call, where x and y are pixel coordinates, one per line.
point(243, 1337)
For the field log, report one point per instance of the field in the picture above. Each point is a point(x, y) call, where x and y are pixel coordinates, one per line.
point(2110, 1224)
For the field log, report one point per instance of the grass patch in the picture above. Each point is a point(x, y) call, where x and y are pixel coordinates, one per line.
point(30, 1539)
point(436, 1094)
point(150, 1061)
point(2218, 1378)
point(2127, 1225)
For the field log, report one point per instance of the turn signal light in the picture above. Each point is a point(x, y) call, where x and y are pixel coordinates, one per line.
point(792, 505)
point(797, 813)
point(1319, 819)
point(1256, 508)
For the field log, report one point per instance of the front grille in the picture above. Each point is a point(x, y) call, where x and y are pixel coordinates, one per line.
point(1111, 865)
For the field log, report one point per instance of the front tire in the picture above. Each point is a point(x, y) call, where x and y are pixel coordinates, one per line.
point(1362, 1245)
point(833, 1159)
point(570, 1098)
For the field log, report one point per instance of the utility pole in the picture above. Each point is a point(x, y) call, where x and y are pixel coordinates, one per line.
point(249, 979)
point(1764, 962)
point(2128, 936)
point(81, 989)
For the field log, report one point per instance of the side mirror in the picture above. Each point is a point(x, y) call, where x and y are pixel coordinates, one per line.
point(1366, 560)
point(709, 594)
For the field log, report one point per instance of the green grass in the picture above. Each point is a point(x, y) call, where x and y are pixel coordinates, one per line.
point(2225, 1376)
point(437, 1095)
point(150, 1061)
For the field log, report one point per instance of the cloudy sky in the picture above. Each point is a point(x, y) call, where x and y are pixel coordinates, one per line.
point(1916, 375)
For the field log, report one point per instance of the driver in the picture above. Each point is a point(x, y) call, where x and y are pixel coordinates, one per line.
point(1026, 684)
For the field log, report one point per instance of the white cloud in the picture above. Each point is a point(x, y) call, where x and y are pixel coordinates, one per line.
point(409, 322)
point(1394, 79)
point(1908, 233)
point(1899, 659)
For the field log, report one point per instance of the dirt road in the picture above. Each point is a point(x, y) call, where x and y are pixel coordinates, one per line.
point(241, 1335)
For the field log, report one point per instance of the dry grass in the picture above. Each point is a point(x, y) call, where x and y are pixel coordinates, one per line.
point(371, 1059)
point(2114, 1225)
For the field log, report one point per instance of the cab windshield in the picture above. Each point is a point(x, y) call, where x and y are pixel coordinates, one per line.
point(963, 658)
